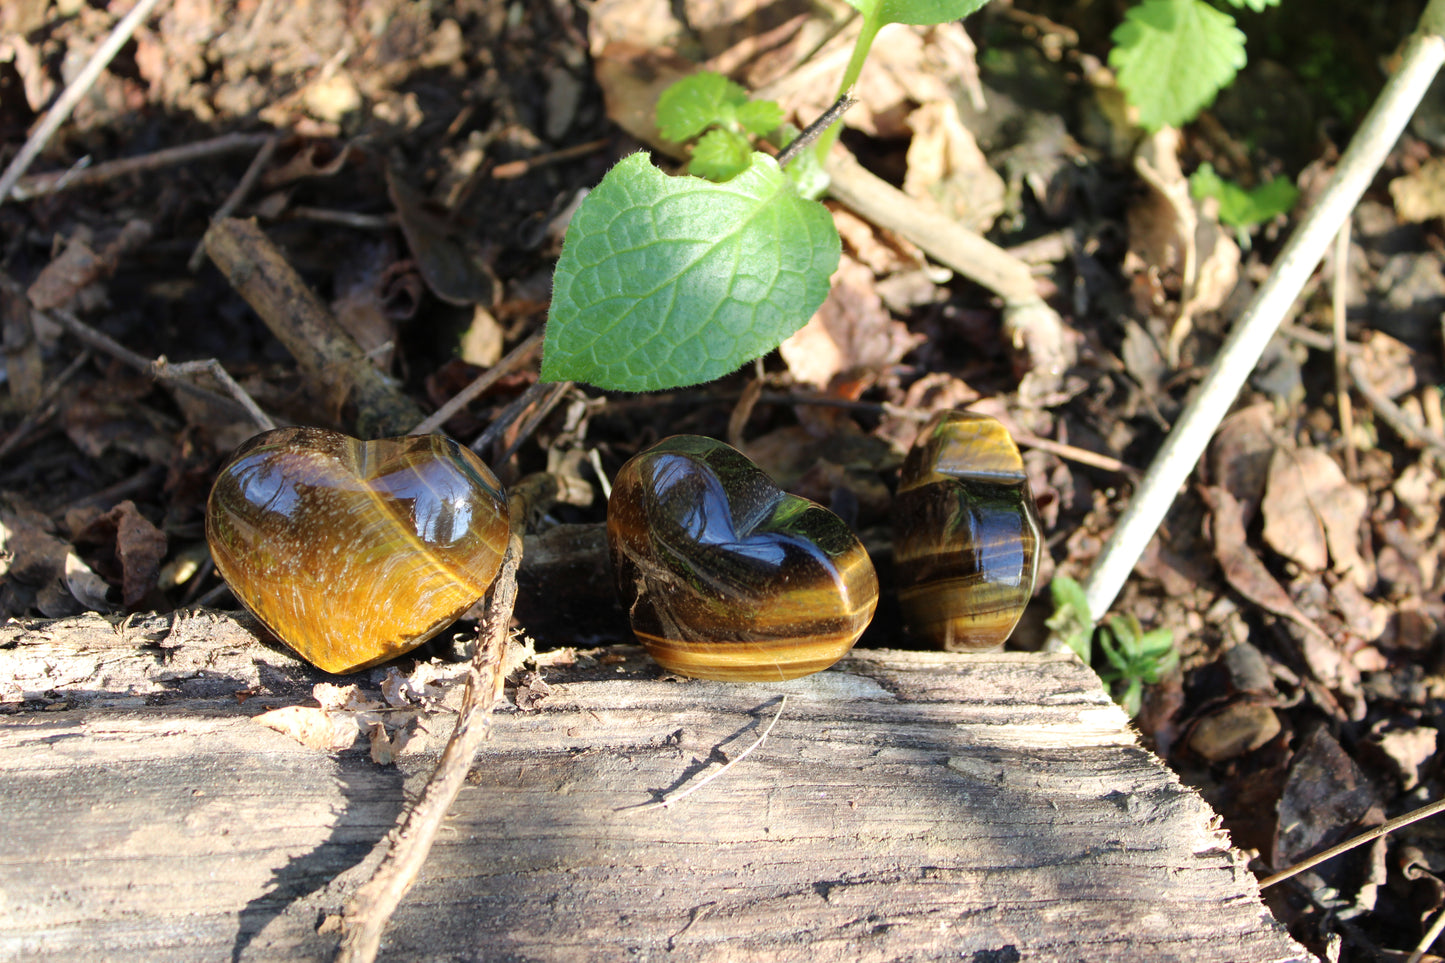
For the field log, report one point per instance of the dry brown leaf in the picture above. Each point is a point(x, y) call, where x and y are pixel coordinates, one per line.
point(851, 332)
point(312, 727)
point(135, 548)
point(1243, 569)
point(383, 750)
point(1240, 454)
point(1291, 526)
point(1420, 195)
point(946, 168)
point(1237, 728)
point(1409, 749)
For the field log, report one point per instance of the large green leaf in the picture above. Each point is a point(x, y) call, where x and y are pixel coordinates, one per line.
point(672, 281)
point(1173, 57)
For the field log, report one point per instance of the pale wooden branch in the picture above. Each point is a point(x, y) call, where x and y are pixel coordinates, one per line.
point(1421, 60)
point(73, 94)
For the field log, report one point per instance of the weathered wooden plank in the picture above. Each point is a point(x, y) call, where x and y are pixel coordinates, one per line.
point(906, 806)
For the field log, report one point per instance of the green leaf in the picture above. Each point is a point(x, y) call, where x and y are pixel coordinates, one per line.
point(671, 281)
point(918, 12)
point(697, 102)
point(720, 155)
point(1071, 621)
point(1258, 6)
point(1239, 207)
point(759, 117)
point(1173, 57)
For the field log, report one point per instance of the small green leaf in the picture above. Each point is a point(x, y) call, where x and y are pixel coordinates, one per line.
point(1071, 622)
point(917, 12)
point(1173, 57)
point(759, 117)
point(697, 102)
point(1258, 6)
point(671, 281)
point(720, 155)
point(1239, 207)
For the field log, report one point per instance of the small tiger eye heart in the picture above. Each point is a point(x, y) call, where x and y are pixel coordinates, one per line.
point(724, 575)
point(966, 534)
point(354, 552)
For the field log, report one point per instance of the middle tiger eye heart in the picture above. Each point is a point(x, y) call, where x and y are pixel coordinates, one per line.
point(724, 575)
point(354, 552)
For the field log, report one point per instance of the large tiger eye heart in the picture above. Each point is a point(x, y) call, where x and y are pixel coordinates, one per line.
point(726, 576)
point(354, 552)
point(966, 534)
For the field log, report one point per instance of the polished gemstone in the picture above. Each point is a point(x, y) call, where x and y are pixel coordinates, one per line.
point(966, 534)
point(354, 552)
point(726, 576)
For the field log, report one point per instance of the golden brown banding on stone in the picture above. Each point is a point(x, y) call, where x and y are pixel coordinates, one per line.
point(354, 552)
point(966, 534)
point(725, 576)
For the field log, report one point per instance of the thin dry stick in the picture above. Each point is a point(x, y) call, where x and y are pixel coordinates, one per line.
point(1389, 826)
point(542, 409)
point(42, 409)
point(53, 182)
point(1422, 59)
point(248, 181)
point(72, 95)
point(461, 399)
point(533, 395)
point(104, 343)
point(679, 797)
point(164, 370)
point(369, 910)
point(1411, 432)
point(1342, 386)
point(516, 168)
point(1428, 940)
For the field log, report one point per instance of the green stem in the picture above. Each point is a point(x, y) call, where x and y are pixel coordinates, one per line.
point(861, 46)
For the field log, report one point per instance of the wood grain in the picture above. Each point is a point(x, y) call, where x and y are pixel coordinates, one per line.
point(906, 806)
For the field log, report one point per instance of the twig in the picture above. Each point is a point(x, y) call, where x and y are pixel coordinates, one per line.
point(541, 410)
point(679, 797)
point(1413, 434)
point(1342, 388)
point(164, 370)
point(815, 130)
point(243, 188)
point(1385, 828)
point(1428, 940)
point(42, 409)
point(367, 913)
point(537, 393)
point(1422, 59)
point(108, 345)
point(53, 182)
point(353, 219)
point(485, 380)
point(72, 95)
point(516, 168)
point(327, 354)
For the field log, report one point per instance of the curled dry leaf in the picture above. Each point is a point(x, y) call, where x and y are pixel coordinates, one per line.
point(1420, 195)
point(851, 332)
point(312, 727)
point(1312, 513)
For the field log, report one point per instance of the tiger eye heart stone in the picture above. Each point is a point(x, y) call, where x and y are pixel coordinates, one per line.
point(724, 575)
point(966, 534)
point(354, 552)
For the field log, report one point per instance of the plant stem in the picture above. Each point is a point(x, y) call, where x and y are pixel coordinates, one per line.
point(1381, 128)
point(871, 25)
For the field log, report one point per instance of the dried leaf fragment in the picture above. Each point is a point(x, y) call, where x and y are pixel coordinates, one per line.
point(312, 727)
